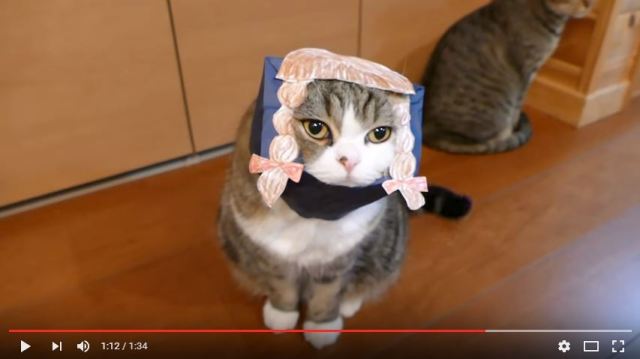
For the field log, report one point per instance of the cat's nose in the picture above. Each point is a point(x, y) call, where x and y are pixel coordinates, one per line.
point(347, 163)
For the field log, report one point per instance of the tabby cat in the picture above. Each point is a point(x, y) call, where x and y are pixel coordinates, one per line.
point(481, 70)
point(346, 135)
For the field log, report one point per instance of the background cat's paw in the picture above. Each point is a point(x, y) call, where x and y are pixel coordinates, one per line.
point(350, 306)
point(278, 319)
point(321, 340)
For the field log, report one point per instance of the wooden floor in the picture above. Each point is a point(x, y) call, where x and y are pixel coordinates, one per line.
point(553, 242)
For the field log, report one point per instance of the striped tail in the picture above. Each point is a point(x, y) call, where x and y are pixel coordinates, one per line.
point(445, 203)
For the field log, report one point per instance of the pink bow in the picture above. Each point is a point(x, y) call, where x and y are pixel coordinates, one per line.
point(259, 164)
point(410, 189)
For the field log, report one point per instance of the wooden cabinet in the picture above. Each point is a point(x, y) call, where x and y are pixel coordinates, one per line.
point(222, 45)
point(402, 33)
point(619, 49)
point(92, 88)
point(590, 75)
point(88, 89)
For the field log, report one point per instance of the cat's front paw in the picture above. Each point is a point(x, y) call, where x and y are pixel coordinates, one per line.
point(321, 340)
point(277, 319)
point(349, 307)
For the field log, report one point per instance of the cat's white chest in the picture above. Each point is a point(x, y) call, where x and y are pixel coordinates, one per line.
point(310, 241)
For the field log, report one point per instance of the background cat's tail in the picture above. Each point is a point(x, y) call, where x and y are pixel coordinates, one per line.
point(445, 203)
point(520, 136)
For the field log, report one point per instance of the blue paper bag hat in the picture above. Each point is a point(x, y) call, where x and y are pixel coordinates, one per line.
point(276, 154)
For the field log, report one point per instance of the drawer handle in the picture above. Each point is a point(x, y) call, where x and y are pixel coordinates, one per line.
point(632, 20)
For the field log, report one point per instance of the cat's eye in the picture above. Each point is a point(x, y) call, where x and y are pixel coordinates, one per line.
point(379, 134)
point(316, 129)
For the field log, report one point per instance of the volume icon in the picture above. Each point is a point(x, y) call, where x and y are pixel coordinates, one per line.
point(83, 346)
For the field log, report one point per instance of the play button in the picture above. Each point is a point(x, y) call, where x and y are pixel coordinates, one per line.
point(24, 346)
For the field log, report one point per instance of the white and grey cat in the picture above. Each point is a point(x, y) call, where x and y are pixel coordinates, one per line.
point(481, 71)
point(346, 136)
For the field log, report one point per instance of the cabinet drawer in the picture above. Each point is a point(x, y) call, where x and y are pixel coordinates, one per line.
point(223, 43)
point(88, 89)
point(620, 50)
point(626, 34)
point(628, 6)
point(402, 34)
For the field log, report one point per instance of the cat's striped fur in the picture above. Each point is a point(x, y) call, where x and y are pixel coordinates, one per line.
point(331, 266)
point(482, 68)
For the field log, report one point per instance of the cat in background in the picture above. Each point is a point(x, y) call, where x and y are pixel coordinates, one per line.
point(346, 134)
point(481, 70)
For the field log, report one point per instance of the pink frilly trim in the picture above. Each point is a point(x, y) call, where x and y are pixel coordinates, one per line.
point(319, 64)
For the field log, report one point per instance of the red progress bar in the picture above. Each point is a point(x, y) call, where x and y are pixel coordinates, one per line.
point(237, 331)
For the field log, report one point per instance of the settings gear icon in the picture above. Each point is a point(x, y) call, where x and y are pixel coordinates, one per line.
point(564, 346)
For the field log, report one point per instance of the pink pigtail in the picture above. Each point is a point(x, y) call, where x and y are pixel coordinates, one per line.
point(404, 140)
point(283, 150)
point(282, 121)
point(293, 94)
point(404, 164)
